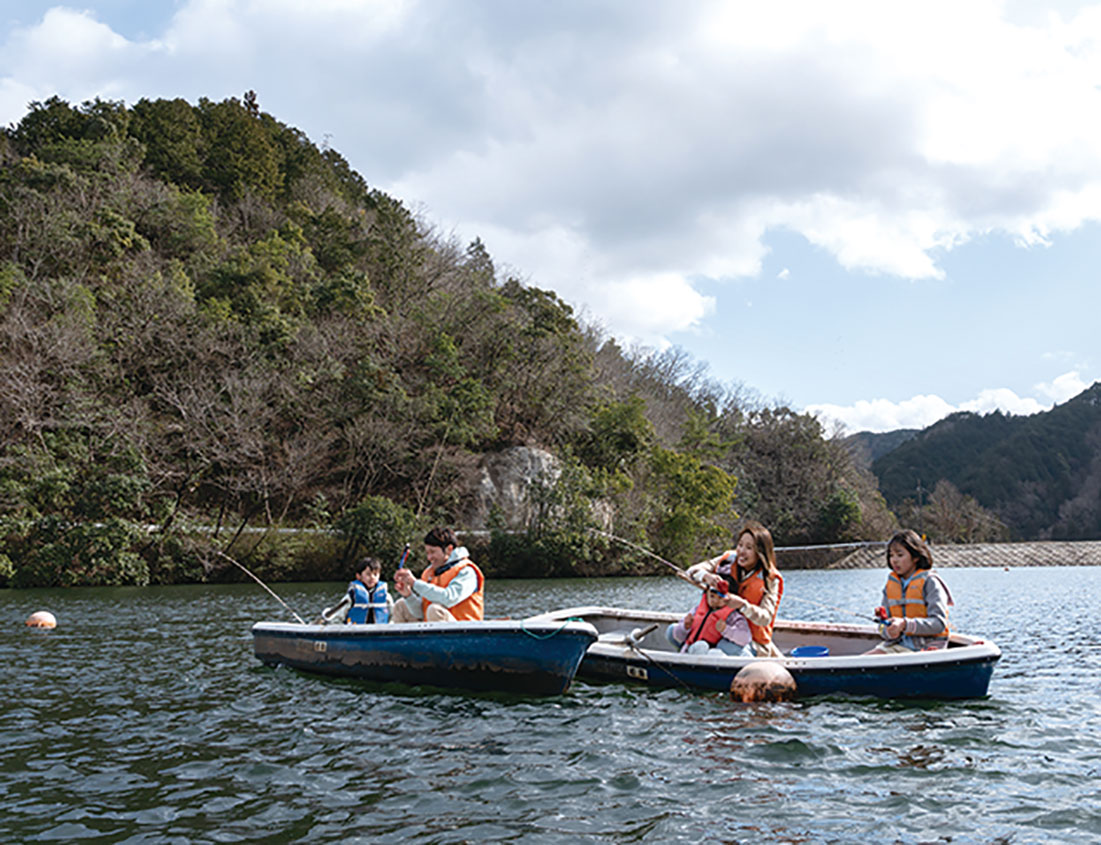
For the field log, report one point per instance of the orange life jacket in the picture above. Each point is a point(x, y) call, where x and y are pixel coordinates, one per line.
point(752, 589)
point(911, 603)
point(703, 623)
point(470, 609)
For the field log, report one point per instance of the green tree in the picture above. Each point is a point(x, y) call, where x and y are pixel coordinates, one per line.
point(240, 156)
point(690, 498)
point(838, 516)
point(173, 139)
point(376, 526)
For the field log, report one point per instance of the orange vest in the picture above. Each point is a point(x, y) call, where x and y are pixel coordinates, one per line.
point(752, 589)
point(470, 609)
point(703, 623)
point(912, 604)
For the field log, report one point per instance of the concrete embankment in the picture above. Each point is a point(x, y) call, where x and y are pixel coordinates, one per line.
point(871, 555)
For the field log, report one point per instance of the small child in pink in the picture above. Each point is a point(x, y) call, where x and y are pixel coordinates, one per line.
point(712, 628)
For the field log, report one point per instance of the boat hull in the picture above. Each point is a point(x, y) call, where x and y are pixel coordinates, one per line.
point(963, 670)
point(522, 657)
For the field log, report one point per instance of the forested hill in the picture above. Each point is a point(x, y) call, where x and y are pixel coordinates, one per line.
point(1040, 474)
point(867, 446)
point(206, 321)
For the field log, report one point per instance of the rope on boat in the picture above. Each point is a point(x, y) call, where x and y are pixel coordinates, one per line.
point(534, 635)
point(635, 648)
point(632, 643)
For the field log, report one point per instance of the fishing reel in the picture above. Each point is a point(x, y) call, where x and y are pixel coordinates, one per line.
point(882, 617)
point(337, 613)
point(639, 634)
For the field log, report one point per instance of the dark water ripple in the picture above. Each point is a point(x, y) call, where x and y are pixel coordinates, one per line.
point(144, 718)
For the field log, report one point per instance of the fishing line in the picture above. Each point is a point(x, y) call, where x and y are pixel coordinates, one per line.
point(261, 583)
point(435, 463)
point(863, 616)
point(680, 572)
point(428, 484)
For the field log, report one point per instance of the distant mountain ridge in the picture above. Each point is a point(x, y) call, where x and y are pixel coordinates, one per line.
point(1040, 474)
point(868, 446)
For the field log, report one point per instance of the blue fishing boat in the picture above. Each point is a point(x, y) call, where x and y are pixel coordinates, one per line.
point(527, 657)
point(823, 658)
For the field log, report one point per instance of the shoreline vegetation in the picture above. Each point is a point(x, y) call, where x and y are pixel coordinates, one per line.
point(207, 319)
point(317, 555)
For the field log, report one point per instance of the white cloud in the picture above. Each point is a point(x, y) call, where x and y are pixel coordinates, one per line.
point(14, 96)
point(1063, 387)
point(1005, 400)
point(882, 135)
point(883, 414)
point(67, 51)
point(646, 306)
point(923, 411)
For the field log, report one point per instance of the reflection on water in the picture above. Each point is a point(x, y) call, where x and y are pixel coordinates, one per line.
point(144, 717)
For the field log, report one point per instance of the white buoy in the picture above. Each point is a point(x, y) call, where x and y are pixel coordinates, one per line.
point(41, 619)
point(762, 680)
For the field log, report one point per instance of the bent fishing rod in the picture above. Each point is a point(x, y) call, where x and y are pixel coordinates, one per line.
point(261, 583)
point(680, 572)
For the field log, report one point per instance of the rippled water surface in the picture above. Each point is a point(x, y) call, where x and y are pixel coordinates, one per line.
point(144, 717)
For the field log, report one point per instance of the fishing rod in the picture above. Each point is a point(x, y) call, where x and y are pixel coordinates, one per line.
point(427, 486)
point(261, 583)
point(863, 616)
point(680, 572)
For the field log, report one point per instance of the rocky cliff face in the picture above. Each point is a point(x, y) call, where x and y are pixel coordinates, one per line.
point(504, 486)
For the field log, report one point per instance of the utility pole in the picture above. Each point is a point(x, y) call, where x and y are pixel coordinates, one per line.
point(921, 512)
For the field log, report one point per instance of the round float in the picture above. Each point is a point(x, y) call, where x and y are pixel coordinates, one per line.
point(41, 619)
point(762, 680)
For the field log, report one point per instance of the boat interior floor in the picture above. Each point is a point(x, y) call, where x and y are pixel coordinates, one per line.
point(835, 641)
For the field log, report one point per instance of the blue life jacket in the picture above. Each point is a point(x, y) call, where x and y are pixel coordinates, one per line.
point(368, 606)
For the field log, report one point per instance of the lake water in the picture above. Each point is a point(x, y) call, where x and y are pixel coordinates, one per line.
point(145, 718)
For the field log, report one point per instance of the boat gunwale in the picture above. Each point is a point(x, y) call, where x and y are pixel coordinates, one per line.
point(965, 651)
point(540, 627)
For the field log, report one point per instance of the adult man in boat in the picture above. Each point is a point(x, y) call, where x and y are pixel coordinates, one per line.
point(451, 588)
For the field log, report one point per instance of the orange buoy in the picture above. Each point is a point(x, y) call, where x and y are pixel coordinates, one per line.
point(41, 619)
point(762, 680)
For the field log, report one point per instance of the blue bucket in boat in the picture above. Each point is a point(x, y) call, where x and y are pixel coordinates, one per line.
point(811, 651)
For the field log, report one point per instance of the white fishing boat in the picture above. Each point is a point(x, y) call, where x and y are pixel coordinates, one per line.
point(823, 658)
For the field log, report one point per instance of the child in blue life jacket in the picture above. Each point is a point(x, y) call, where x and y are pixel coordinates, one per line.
point(712, 628)
point(915, 599)
point(370, 601)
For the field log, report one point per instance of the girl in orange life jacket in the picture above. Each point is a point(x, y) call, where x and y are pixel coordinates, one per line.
point(712, 627)
point(915, 597)
point(756, 583)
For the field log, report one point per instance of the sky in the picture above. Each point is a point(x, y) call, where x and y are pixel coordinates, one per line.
point(877, 212)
